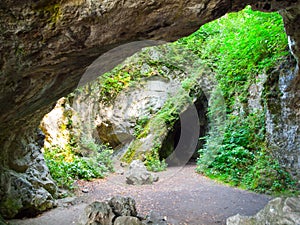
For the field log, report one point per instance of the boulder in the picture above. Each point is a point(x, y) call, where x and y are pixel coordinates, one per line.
point(127, 220)
point(138, 174)
point(123, 206)
point(279, 211)
point(117, 211)
point(97, 213)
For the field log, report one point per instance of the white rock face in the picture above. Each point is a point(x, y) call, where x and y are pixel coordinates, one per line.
point(115, 124)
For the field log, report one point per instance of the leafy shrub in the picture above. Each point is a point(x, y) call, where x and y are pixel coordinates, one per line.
point(242, 158)
point(267, 176)
point(66, 167)
point(154, 164)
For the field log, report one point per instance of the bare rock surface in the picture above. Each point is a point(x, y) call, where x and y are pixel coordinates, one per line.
point(127, 220)
point(123, 206)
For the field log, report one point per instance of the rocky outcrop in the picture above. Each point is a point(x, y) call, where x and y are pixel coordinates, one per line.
point(26, 185)
point(116, 124)
point(47, 45)
point(172, 129)
point(116, 110)
point(279, 211)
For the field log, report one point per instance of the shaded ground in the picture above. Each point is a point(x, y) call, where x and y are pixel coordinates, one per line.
point(181, 195)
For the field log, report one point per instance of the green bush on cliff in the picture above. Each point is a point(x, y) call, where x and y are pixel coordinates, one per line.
point(239, 47)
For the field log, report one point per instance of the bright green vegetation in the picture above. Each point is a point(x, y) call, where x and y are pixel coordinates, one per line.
point(66, 165)
point(153, 162)
point(239, 47)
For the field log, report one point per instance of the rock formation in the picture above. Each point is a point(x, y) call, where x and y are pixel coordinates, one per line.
point(117, 211)
point(47, 45)
point(279, 211)
point(117, 107)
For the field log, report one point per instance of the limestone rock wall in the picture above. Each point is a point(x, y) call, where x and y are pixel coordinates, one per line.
point(283, 117)
point(26, 186)
point(45, 47)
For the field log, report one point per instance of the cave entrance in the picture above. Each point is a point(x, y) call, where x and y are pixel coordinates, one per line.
point(184, 139)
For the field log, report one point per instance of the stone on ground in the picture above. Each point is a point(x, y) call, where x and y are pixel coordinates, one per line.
point(139, 175)
point(97, 213)
point(123, 206)
point(117, 211)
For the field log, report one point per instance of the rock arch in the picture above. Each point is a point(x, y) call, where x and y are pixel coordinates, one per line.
point(47, 45)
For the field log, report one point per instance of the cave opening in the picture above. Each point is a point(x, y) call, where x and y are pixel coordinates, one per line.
point(180, 143)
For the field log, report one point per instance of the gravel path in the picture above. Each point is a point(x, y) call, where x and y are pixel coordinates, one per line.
point(181, 195)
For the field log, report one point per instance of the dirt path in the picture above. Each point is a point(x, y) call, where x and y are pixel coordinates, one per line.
point(181, 195)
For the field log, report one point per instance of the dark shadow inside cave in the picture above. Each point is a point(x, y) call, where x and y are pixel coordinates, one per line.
point(185, 138)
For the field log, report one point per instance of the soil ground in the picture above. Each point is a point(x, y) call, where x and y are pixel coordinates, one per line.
point(182, 196)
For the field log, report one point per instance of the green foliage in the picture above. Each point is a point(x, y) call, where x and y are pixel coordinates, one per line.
point(131, 151)
point(267, 176)
point(113, 83)
point(140, 125)
point(237, 48)
point(241, 159)
point(66, 166)
point(152, 162)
